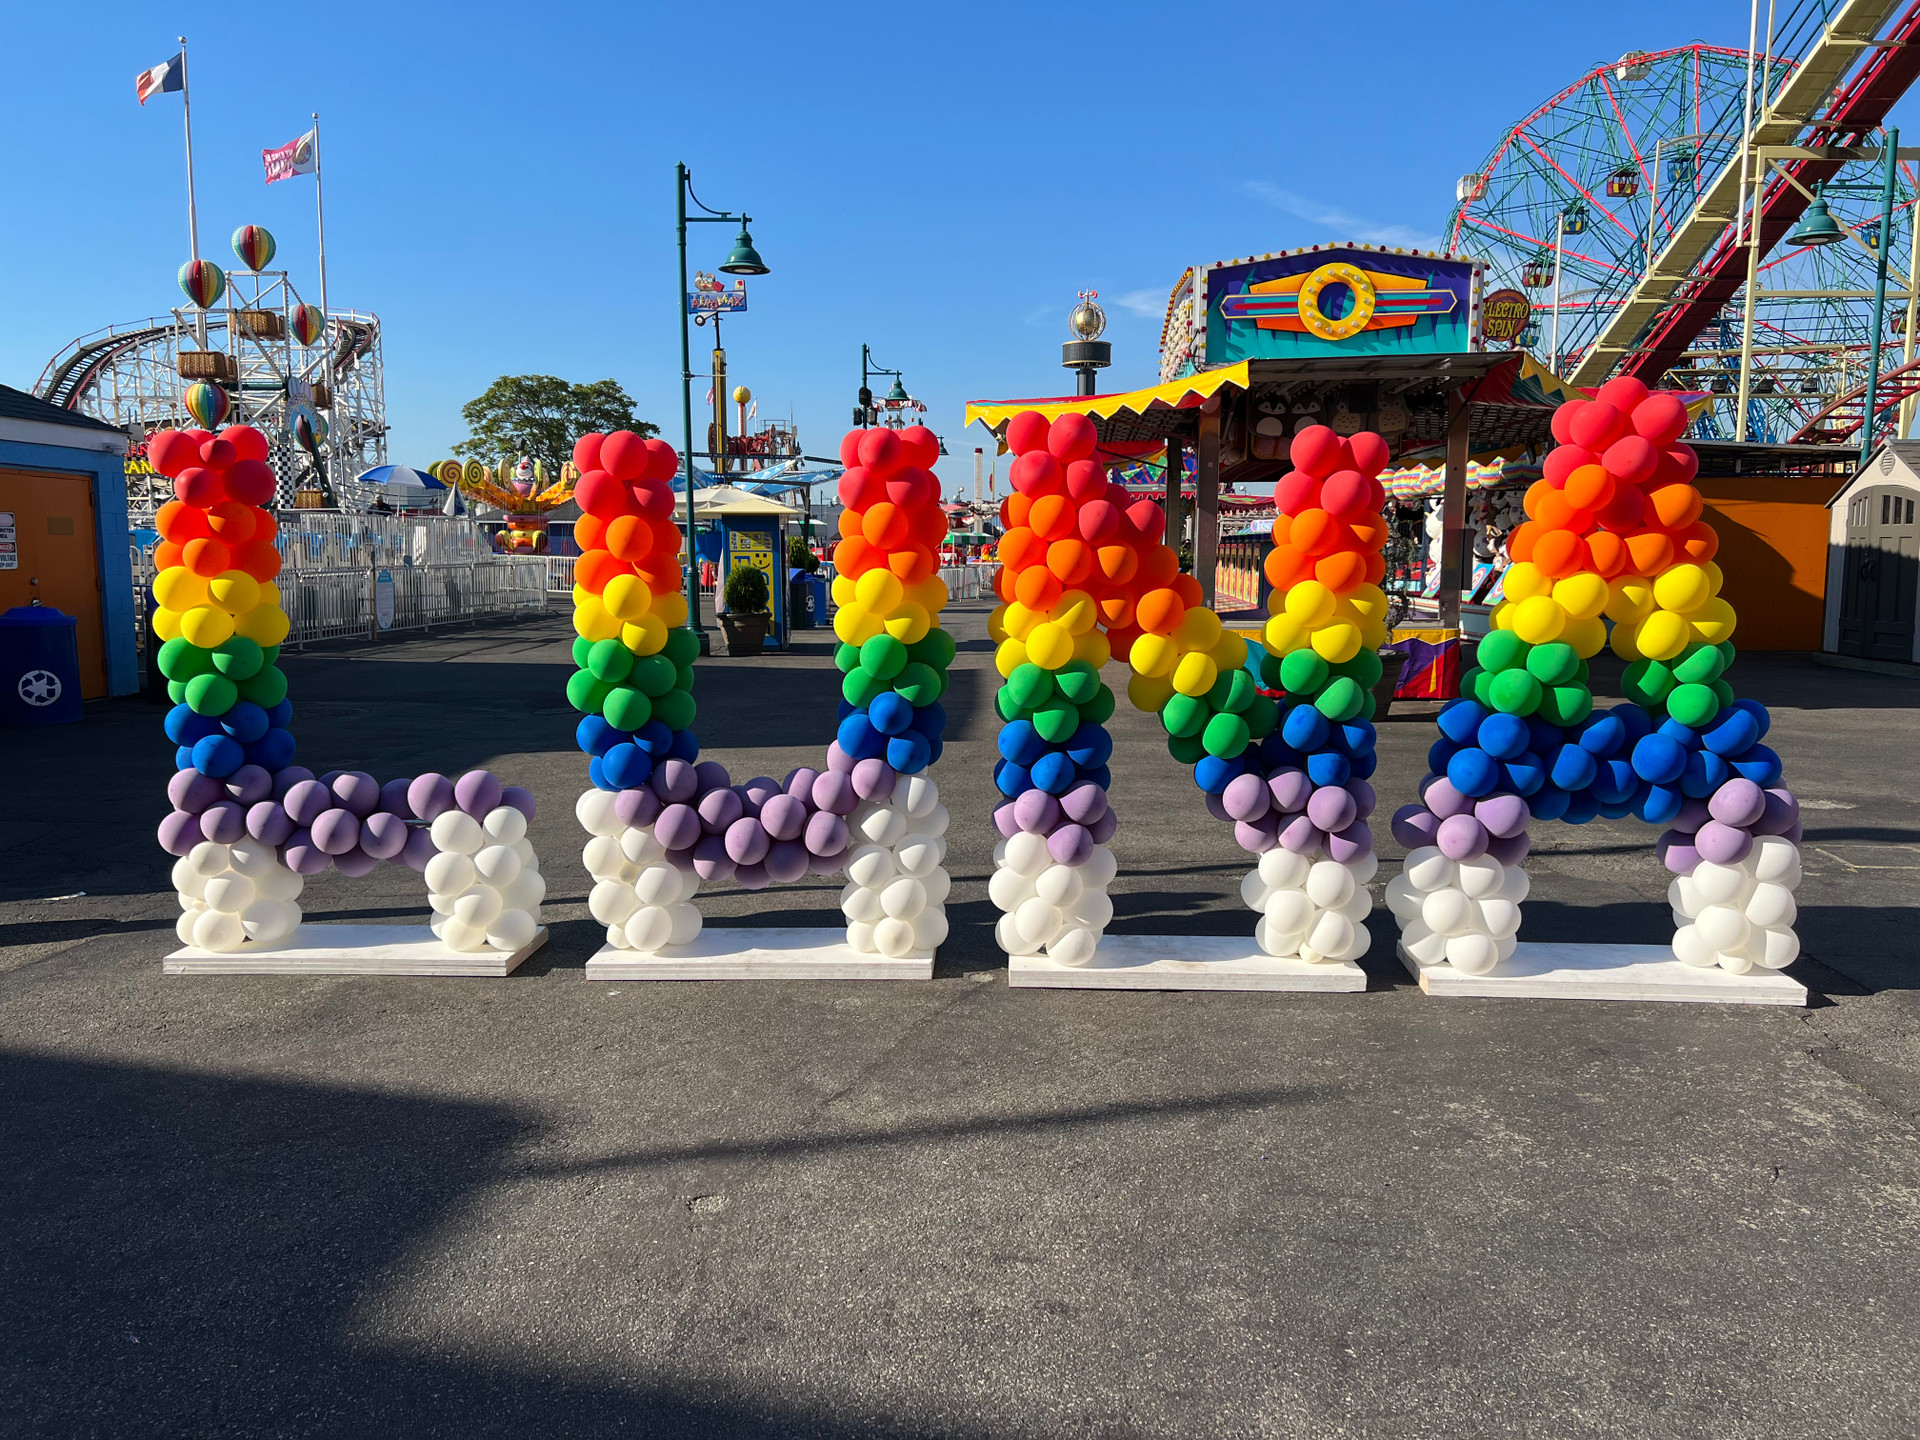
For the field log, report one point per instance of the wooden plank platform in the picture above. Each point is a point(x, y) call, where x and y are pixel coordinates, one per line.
point(354, 950)
point(1552, 970)
point(1185, 962)
point(775, 953)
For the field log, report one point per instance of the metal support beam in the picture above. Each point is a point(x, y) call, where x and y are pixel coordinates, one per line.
point(1453, 512)
point(1176, 466)
point(1206, 509)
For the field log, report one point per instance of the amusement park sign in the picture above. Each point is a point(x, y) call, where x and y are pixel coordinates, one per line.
point(1504, 315)
point(711, 296)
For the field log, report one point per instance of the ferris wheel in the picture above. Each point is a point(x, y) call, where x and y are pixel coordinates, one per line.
point(1580, 197)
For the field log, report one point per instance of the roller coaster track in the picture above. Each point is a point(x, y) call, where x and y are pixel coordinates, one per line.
point(1702, 268)
point(1840, 422)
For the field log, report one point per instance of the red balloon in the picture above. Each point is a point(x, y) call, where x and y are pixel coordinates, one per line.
point(586, 452)
point(1563, 419)
point(1623, 392)
point(1297, 491)
point(1661, 417)
point(252, 482)
point(1319, 452)
point(1625, 512)
point(1596, 425)
point(1370, 453)
point(259, 559)
point(1685, 463)
point(623, 455)
point(1631, 459)
point(1345, 494)
point(928, 525)
point(1158, 566)
point(861, 488)
point(598, 493)
point(1037, 473)
point(663, 461)
point(170, 452)
point(248, 443)
point(912, 486)
point(1071, 438)
point(653, 499)
point(881, 452)
point(207, 557)
point(200, 487)
point(921, 445)
point(1086, 480)
point(1147, 518)
point(1027, 431)
point(217, 454)
point(850, 448)
point(1099, 523)
point(1563, 460)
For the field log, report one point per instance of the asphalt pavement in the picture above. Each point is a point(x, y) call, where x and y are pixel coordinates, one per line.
point(250, 1206)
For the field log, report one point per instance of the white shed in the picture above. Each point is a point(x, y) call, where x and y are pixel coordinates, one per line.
point(1873, 559)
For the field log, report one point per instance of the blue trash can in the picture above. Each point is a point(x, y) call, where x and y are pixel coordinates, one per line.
point(39, 667)
point(817, 586)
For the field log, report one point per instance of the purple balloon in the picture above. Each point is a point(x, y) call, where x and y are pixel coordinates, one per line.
point(302, 856)
point(826, 835)
point(710, 859)
point(1004, 819)
point(383, 835)
point(1036, 812)
point(752, 877)
point(356, 792)
point(678, 827)
point(786, 861)
point(1246, 797)
point(1693, 814)
point(1301, 836)
point(1103, 828)
point(1291, 789)
point(784, 816)
point(331, 776)
point(223, 822)
point(191, 791)
point(393, 798)
point(719, 809)
point(336, 831)
point(1363, 798)
point(1794, 832)
point(356, 862)
point(757, 791)
point(1258, 836)
point(1462, 837)
point(1445, 801)
point(1070, 845)
point(710, 775)
point(1414, 825)
point(1780, 817)
point(430, 796)
point(826, 864)
point(179, 831)
point(1332, 808)
point(838, 761)
point(477, 792)
point(799, 783)
point(833, 792)
point(680, 859)
point(747, 841)
point(636, 807)
point(1351, 843)
point(1738, 802)
point(1503, 815)
point(1510, 849)
point(1216, 807)
point(269, 823)
point(873, 779)
point(308, 801)
point(1722, 844)
point(1084, 804)
point(286, 778)
point(1676, 851)
point(520, 798)
point(250, 784)
point(419, 848)
point(674, 780)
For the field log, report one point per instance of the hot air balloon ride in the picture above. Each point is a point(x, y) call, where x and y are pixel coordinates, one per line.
point(254, 245)
point(207, 403)
point(309, 323)
point(204, 283)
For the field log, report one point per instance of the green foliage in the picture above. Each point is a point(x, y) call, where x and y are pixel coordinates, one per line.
point(540, 416)
point(746, 590)
point(800, 557)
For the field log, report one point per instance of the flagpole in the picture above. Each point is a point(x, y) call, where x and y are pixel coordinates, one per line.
point(320, 210)
point(186, 108)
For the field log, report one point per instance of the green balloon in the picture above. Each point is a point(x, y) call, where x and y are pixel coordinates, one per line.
point(683, 677)
point(1302, 673)
point(861, 686)
point(883, 656)
point(266, 687)
point(1500, 650)
point(1514, 692)
point(626, 708)
point(1693, 705)
point(846, 656)
point(1270, 671)
point(1725, 691)
point(1364, 667)
point(653, 674)
point(181, 659)
point(1077, 680)
point(1261, 716)
point(176, 691)
point(1057, 721)
point(1005, 708)
point(1725, 647)
point(269, 654)
point(675, 709)
point(1099, 709)
point(609, 660)
point(1699, 665)
point(920, 685)
point(1185, 715)
point(212, 694)
point(585, 691)
point(1479, 684)
point(582, 647)
point(935, 648)
point(239, 658)
point(1553, 664)
point(682, 647)
point(1233, 691)
point(1340, 698)
point(1030, 686)
point(1566, 705)
point(1646, 683)
point(1225, 736)
point(1187, 749)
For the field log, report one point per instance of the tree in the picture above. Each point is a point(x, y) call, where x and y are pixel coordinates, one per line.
point(540, 416)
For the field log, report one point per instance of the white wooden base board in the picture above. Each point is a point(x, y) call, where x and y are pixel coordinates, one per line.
point(1552, 970)
point(817, 953)
point(1185, 962)
point(353, 950)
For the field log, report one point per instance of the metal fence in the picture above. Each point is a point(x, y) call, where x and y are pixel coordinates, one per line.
point(324, 540)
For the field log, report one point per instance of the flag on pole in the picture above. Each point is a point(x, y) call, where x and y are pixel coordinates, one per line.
point(168, 75)
point(296, 157)
point(709, 394)
point(752, 411)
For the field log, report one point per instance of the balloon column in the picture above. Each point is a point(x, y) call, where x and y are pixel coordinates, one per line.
point(1613, 533)
point(661, 821)
point(248, 825)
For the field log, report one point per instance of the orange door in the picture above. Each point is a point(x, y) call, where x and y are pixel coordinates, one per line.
point(56, 559)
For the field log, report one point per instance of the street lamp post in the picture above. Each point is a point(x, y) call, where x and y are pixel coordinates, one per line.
point(744, 260)
point(865, 413)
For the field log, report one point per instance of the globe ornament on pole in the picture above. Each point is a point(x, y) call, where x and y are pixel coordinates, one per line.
point(254, 245)
point(1087, 352)
point(204, 283)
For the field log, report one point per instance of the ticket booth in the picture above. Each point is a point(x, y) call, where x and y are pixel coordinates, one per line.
point(753, 531)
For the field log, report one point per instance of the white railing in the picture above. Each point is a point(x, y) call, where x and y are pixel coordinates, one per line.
point(346, 604)
point(968, 582)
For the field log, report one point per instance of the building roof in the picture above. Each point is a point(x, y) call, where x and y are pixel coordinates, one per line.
point(19, 405)
point(1907, 452)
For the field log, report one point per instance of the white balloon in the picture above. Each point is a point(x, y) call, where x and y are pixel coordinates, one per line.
point(1427, 947)
point(1074, 946)
point(450, 872)
point(1721, 926)
point(609, 902)
point(479, 906)
point(1365, 868)
point(1689, 948)
point(1092, 911)
point(1284, 870)
point(457, 830)
point(1499, 918)
point(1681, 897)
point(1515, 886)
point(1254, 891)
point(457, 934)
point(1100, 868)
point(504, 825)
point(1472, 954)
point(511, 929)
point(660, 884)
point(1028, 854)
point(1734, 962)
point(687, 921)
point(1037, 921)
point(617, 937)
point(919, 855)
point(604, 859)
point(594, 810)
point(207, 859)
point(441, 904)
point(1777, 947)
point(251, 858)
point(929, 928)
point(1716, 884)
point(280, 883)
point(1402, 898)
point(1448, 912)
point(524, 849)
point(640, 845)
point(219, 931)
point(934, 822)
point(883, 825)
point(183, 927)
point(1289, 911)
point(893, 937)
point(1007, 936)
point(918, 795)
point(860, 938)
point(1331, 934)
point(529, 889)
point(1770, 905)
point(1358, 905)
point(267, 920)
point(189, 882)
point(870, 865)
point(1275, 942)
point(1058, 885)
point(903, 899)
point(862, 903)
point(1427, 868)
point(939, 885)
point(650, 928)
point(1362, 942)
point(1329, 883)
point(1774, 860)
point(1480, 877)
point(497, 864)
point(1000, 853)
point(1008, 887)
point(229, 893)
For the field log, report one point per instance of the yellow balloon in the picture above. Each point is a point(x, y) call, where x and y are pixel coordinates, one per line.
point(1019, 620)
point(1154, 655)
point(1149, 692)
point(648, 637)
point(1284, 634)
point(1229, 651)
point(1629, 600)
point(1540, 620)
point(1199, 629)
point(1582, 596)
point(234, 591)
point(1625, 640)
point(880, 591)
point(1050, 645)
point(669, 608)
point(930, 595)
point(1588, 637)
point(1683, 589)
point(1369, 602)
point(1502, 617)
point(996, 622)
point(1663, 635)
point(841, 590)
point(166, 623)
point(591, 620)
point(1337, 641)
point(1092, 647)
point(1524, 580)
point(1276, 602)
point(264, 625)
point(1373, 634)
point(1715, 579)
point(856, 624)
point(178, 588)
point(1310, 601)
point(1713, 622)
point(1076, 611)
point(270, 594)
point(206, 626)
point(1195, 673)
point(626, 598)
point(581, 594)
point(909, 624)
point(1009, 657)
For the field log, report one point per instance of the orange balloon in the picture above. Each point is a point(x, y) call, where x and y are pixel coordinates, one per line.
point(1609, 552)
point(913, 565)
point(1700, 543)
point(1520, 542)
point(662, 574)
point(630, 537)
point(1314, 531)
point(855, 557)
point(207, 557)
point(1341, 572)
point(590, 532)
point(1675, 505)
point(852, 522)
point(1651, 551)
point(1020, 548)
point(1282, 529)
point(180, 522)
point(1589, 487)
point(1117, 611)
point(1003, 582)
point(1558, 553)
point(927, 525)
point(1376, 567)
point(1557, 512)
point(593, 570)
point(1158, 566)
point(166, 555)
point(1159, 612)
point(1369, 532)
point(1286, 566)
point(1016, 510)
point(1118, 563)
point(265, 527)
point(886, 525)
point(1071, 560)
point(1037, 588)
point(257, 558)
point(1187, 588)
point(233, 521)
point(1052, 517)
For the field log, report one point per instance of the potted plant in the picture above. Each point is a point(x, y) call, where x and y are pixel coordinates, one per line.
point(745, 619)
point(801, 563)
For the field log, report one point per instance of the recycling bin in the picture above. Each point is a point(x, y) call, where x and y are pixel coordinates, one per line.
point(39, 667)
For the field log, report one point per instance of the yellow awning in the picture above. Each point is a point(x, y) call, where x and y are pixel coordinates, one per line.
point(1174, 395)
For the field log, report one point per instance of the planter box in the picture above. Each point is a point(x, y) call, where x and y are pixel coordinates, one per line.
point(746, 634)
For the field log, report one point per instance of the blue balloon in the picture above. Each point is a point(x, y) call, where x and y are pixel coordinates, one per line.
point(1758, 764)
point(1021, 743)
point(626, 765)
point(1544, 737)
point(1054, 773)
point(1637, 721)
point(685, 746)
point(1734, 731)
point(891, 713)
point(909, 753)
point(1550, 803)
point(1213, 774)
point(931, 720)
point(219, 755)
point(1573, 768)
point(1100, 775)
point(1362, 766)
point(272, 751)
point(1503, 736)
point(934, 748)
point(1759, 714)
point(598, 776)
point(1473, 771)
point(1090, 745)
point(1277, 754)
point(1682, 734)
point(184, 727)
point(595, 736)
point(1010, 779)
point(845, 708)
point(1581, 807)
point(1305, 728)
point(1614, 782)
point(655, 738)
point(1525, 774)
point(1616, 809)
point(1706, 772)
point(1460, 721)
point(859, 739)
point(1659, 803)
point(183, 757)
point(244, 721)
point(1355, 737)
point(280, 716)
point(1659, 760)
point(1602, 735)
point(1439, 753)
point(1329, 767)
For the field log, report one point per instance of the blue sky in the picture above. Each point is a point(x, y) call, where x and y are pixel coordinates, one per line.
point(937, 181)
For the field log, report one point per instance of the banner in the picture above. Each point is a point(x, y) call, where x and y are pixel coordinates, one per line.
point(296, 157)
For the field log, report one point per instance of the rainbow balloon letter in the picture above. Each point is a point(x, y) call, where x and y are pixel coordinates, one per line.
point(1613, 531)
